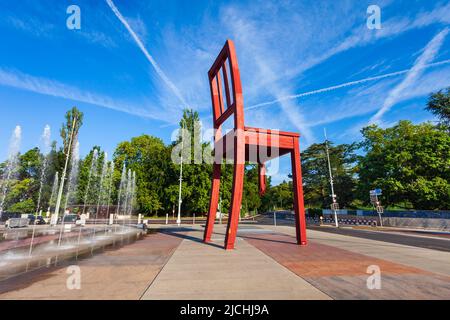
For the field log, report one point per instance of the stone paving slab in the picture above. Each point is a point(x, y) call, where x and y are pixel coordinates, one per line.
point(123, 273)
point(266, 264)
point(200, 271)
point(342, 274)
point(420, 258)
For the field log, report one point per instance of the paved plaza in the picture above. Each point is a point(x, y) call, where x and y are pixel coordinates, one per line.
point(173, 263)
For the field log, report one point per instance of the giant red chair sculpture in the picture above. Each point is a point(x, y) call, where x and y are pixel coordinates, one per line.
point(240, 145)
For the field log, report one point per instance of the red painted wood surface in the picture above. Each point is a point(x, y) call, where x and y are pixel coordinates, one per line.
point(245, 144)
point(262, 179)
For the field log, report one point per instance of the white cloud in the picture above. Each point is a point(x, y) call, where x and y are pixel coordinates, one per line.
point(361, 36)
point(53, 88)
point(31, 26)
point(347, 84)
point(427, 56)
point(152, 61)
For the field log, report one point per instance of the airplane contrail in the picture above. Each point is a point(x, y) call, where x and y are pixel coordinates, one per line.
point(343, 85)
point(147, 55)
point(428, 54)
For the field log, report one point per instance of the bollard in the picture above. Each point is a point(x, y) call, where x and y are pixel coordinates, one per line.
point(275, 218)
point(139, 218)
point(111, 219)
point(167, 218)
point(193, 219)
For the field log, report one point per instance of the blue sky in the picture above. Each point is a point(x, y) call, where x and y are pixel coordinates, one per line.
point(285, 48)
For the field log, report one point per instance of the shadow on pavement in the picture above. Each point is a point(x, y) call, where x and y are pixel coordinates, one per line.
point(181, 232)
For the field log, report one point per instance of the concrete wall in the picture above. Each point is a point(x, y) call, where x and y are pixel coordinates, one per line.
point(420, 223)
point(432, 222)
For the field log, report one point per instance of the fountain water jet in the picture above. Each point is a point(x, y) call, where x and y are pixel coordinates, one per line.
point(46, 151)
point(54, 191)
point(101, 194)
point(11, 167)
point(101, 191)
point(45, 138)
point(127, 193)
point(73, 176)
point(92, 172)
point(122, 185)
point(111, 180)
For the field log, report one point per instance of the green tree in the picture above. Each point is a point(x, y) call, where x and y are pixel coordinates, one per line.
point(316, 179)
point(196, 172)
point(30, 164)
point(279, 197)
point(410, 163)
point(88, 177)
point(19, 198)
point(439, 105)
point(150, 159)
point(67, 127)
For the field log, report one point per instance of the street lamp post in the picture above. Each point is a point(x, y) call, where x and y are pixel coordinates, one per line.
point(333, 196)
point(181, 178)
point(63, 177)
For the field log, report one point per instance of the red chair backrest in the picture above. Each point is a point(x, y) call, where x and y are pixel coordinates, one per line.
point(226, 88)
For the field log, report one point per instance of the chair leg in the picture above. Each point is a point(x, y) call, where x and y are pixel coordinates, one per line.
point(235, 208)
point(299, 207)
point(236, 192)
point(262, 179)
point(213, 202)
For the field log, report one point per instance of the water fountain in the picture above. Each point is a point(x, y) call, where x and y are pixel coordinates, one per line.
point(11, 167)
point(122, 186)
point(54, 191)
point(30, 248)
point(132, 194)
point(92, 175)
point(45, 138)
point(102, 188)
point(110, 186)
point(73, 176)
point(127, 193)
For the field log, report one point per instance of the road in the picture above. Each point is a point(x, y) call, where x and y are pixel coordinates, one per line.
point(408, 238)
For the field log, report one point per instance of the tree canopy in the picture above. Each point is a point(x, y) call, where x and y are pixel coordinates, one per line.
point(409, 162)
point(439, 105)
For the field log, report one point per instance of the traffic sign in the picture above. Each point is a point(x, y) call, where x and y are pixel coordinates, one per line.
point(335, 206)
point(376, 192)
point(373, 199)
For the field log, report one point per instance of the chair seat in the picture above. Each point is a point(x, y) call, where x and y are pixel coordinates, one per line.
point(275, 142)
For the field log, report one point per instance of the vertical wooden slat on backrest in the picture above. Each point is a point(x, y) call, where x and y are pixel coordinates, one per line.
point(215, 98)
point(237, 86)
point(225, 80)
point(219, 85)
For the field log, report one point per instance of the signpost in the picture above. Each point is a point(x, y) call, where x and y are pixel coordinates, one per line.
point(334, 205)
point(376, 203)
point(335, 208)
